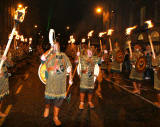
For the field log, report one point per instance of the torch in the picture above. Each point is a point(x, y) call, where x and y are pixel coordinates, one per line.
point(100, 35)
point(90, 35)
point(128, 32)
point(150, 25)
point(109, 33)
point(18, 18)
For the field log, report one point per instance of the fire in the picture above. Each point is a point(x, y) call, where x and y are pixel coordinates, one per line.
point(110, 31)
point(128, 30)
point(90, 33)
point(149, 22)
point(72, 39)
point(20, 13)
point(83, 40)
point(102, 33)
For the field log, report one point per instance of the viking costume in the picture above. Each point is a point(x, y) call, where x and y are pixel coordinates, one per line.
point(156, 64)
point(136, 76)
point(4, 84)
point(87, 78)
point(115, 66)
point(58, 66)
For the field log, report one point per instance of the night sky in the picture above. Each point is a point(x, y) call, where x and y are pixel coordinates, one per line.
point(58, 14)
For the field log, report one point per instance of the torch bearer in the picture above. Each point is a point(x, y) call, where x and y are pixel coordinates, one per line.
point(128, 32)
point(150, 25)
point(100, 35)
point(110, 31)
point(18, 18)
point(90, 35)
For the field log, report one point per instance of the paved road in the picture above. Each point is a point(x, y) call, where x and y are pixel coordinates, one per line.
point(118, 108)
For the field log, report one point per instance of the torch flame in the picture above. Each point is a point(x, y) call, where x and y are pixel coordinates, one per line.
point(20, 13)
point(149, 22)
point(110, 31)
point(128, 30)
point(83, 40)
point(90, 33)
point(102, 33)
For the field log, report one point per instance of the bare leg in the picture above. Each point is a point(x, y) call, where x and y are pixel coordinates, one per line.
point(136, 89)
point(55, 117)
point(46, 111)
point(82, 95)
point(2, 114)
point(91, 105)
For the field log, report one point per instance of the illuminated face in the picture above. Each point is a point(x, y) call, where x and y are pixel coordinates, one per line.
point(56, 47)
point(89, 53)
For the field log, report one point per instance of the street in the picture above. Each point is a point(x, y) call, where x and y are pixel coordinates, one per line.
point(118, 107)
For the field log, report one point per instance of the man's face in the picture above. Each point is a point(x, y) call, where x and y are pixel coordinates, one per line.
point(56, 48)
point(89, 53)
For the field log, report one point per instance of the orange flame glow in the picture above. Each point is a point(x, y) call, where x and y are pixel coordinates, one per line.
point(110, 31)
point(102, 33)
point(149, 22)
point(20, 10)
point(129, 30)
point(90, 33)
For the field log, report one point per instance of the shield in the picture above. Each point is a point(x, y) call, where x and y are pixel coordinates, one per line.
point(141, 64)
point(158, 73)
point(119, 56)
point(42, 73)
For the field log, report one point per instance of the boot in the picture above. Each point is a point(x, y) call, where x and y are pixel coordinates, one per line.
point(55, 117)
point(81, 105)
point(91, 105)
point(46, 111)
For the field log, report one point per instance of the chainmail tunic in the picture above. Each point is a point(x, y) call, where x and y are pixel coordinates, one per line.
point(156, 63)
point(4, 85)
point(56, 82)
point(134, 74)
point(87, 72)
point(115, 66)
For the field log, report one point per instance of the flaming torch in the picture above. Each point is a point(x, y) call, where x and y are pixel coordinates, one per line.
point(128, 32)
point(109, 33)
point(18, 18)
point(150, 25)
point(90, 35)
point(100, 35)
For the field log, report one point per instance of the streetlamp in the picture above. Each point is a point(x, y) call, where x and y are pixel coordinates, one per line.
point(99, 11)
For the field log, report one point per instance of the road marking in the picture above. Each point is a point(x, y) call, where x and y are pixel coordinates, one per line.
point(19, 89)
point(6, 112)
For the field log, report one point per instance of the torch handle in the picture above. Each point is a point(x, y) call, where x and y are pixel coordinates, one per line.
point(152, 48)
point(7, 47)
point(130, 49)
point(101, 45)
point(110, 43)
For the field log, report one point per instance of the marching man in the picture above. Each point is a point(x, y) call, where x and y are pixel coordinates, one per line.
point(86, 71)
point(58, 66)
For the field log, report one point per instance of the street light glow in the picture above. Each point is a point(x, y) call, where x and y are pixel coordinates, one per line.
point(98, 10)
point(20, 5)
point(35, 26)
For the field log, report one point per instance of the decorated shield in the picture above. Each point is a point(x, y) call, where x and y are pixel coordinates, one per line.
point(42, 73)
point(119, 56)
point(141, 64)
point(158, 73)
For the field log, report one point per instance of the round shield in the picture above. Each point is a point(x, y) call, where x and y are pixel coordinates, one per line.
point(41, 72)
point(141, 64)
point(158, 73)
point(119, 56)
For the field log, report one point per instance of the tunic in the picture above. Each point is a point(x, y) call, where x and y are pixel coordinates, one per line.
point(4, 85)
point(87, 71)
point(115, 66)
point(134, 74)
point(56, 65)
point(156, 63)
